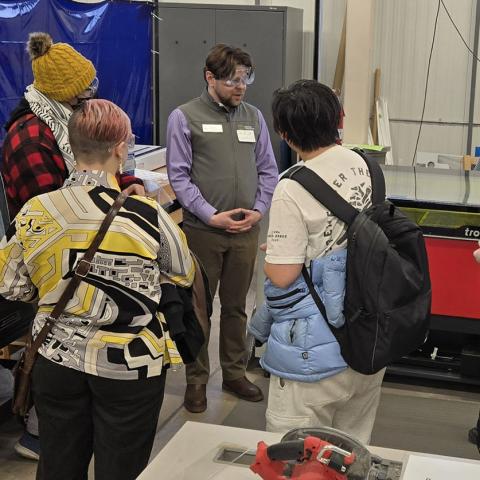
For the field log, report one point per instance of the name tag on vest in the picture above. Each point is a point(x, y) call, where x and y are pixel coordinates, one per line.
point(212, 128)
point(247, 136)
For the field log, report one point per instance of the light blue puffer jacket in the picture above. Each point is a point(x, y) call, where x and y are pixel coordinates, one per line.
point(300, 344)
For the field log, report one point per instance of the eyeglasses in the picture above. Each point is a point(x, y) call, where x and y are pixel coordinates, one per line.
point(246, 78)
point(131, 142)
point(93, 87)
point(89, 92)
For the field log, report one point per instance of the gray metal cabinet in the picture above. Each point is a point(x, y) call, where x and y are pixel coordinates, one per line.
point(185, 37)
point(186, 32)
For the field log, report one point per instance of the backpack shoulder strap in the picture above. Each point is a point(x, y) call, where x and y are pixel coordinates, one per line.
point(329, 198)
point(323, 193)
point(313, 293)
point(376, 177)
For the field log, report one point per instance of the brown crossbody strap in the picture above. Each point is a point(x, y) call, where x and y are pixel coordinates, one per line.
point(80, 272)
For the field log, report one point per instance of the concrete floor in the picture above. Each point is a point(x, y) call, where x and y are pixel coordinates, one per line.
point(425, 419)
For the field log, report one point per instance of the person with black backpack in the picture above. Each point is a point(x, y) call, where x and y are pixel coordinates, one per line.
point(301, 230)
point(335, 201)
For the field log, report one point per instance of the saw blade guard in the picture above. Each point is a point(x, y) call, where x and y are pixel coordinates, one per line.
point(360, 469)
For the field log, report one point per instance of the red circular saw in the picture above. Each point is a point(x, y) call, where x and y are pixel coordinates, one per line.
point(312, 454)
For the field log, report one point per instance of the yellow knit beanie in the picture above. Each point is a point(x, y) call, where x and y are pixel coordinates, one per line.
point(59, 71)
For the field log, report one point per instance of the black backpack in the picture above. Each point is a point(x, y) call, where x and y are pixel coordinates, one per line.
point(15, 320)
point(187, 312)
point(388, 293)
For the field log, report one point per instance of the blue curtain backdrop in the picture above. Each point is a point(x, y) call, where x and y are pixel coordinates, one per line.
point(114, 35)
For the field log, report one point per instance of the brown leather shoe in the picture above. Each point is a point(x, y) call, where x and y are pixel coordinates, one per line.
point(244, 389)
point(195, 400)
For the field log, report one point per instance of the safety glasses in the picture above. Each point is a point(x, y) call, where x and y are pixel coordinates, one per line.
point(131, 142)
point(93, 87)
point(243, 76)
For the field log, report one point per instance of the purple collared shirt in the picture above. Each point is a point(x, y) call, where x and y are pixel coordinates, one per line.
point(179, 164)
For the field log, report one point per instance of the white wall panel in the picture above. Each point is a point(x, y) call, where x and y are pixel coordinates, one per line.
point(331, 23)
point(434, 138)
point(404, 31)
point(402, 45)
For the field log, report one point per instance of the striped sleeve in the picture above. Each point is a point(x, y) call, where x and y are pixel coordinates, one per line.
point(180, 268)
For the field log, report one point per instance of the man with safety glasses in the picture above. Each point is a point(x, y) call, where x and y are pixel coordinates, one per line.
point(222, 168)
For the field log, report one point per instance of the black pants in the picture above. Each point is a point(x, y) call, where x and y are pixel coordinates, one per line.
point(80, 414)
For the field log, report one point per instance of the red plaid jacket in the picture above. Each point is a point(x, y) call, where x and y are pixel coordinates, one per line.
point(33, 164)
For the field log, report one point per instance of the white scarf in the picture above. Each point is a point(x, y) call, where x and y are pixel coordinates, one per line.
point(56, 116)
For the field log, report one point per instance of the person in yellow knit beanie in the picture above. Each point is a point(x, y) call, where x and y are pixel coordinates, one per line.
point(36, 153)
point(59, 71)
point(36, 147)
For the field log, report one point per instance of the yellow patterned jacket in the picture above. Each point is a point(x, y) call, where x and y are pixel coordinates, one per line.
point(110, 327)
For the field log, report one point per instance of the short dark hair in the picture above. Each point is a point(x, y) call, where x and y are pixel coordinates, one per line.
point(307, 113)
point(222, 60)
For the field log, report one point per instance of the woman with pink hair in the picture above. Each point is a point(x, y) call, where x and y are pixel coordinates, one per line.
point(99, 378)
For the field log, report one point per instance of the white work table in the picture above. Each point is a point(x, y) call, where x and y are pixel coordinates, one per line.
point(190, 455)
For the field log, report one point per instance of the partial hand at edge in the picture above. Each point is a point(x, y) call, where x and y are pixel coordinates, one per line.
point(135, 189)
point(476, 253)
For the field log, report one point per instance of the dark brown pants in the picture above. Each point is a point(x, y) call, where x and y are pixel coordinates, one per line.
point(229, 260)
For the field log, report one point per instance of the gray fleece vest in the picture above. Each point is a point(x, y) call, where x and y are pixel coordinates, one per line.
point(223, 167)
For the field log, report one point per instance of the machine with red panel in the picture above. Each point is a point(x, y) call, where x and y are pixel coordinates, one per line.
point(455, 277)
point(452, 232)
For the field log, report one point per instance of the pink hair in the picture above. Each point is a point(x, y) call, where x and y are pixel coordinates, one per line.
point(97, 126)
